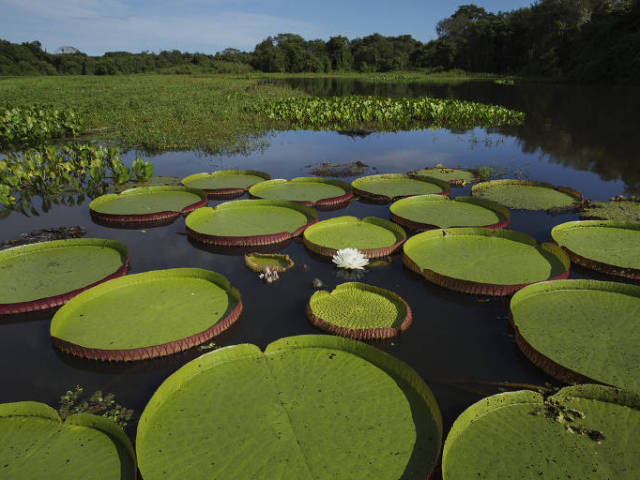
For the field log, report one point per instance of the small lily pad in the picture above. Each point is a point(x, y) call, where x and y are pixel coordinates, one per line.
point(581, 331)
point(606, 246)
point(225, 183)
point(455, 176)
point(48, 274)
point(249, 222)
point(155, 181)
point(259, 262)
point(373, 236)
point(528, 195)
point(313, 406)
point(483, 261)
point(36, 443)
point(146, 315)
point(582, 432)
point(424, 212)
point(390, 186)
point(359, 311)
point(311, 191)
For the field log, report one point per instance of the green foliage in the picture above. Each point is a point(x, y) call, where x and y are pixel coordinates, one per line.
point(73, 401)
point(35, 123)
point(388, 114)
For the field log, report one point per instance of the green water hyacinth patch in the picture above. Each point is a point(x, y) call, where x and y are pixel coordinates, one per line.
point(223, 184)
point(308, 407)
point(582, 432)
point(36, 123)
point(36, 443)
point(528, 195)
point(385, 114)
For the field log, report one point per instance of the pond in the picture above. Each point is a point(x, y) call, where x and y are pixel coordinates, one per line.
point(463, 346)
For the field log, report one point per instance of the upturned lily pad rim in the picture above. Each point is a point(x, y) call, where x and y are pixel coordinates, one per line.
point(225, 193)
point(151, 351)
point(578, 198)
point(500, 210)
point(149, 219)
point(109, 428)
point(454, 182)
point(378, 333)
point(57, 300)
point(251, 240)
point(399, 233)
point(324, 203)
point(506, 399)
point(359, 186)
point(480, 288)
point(607, 268)
point(403, 374)
point(540, 360)
point(259, 268)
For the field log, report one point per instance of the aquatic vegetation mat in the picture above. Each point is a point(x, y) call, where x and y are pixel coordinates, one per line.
point(146, 204)
point(332, 169)
point(581, 331)
point(249, 222)
point(36, 123)
point(46, 235)
point(374, 237)
point(260, 262)
point(483, 261)
point(528, 195)
point(225, 183)
point(620, 211)
point(359, 311)
point(390, 186)
point(425, 212)
point(311, 191)
point(308, 407)
point(36, 443)
point(47, 274)
point(455, 176)
point(582, 432)
point(606, 246)
point(146, 315)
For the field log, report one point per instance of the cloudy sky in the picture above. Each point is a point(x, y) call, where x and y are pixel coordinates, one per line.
point(96, 26)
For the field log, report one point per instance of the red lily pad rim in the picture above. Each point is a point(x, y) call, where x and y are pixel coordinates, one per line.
point(225, 193)
point(57, 300)
point(374, 197)
point(168, 348)
point(328, 203)
point(368, 252)
point(579, 199)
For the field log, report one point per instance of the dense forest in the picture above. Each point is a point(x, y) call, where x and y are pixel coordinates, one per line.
point(585, 40)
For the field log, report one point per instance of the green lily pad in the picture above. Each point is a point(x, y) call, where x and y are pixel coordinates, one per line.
point(455, 176)
point(47, 274)
point(390, 186)
point(259, 262)
point(483, 261)
point(360, 311)
point(249, 222)
point(424, 212)
point(309, 407)
point(622, 211)
point(528, 195)
point(36, 443)
point(155, 181)
point(607, 246)
point(225, 183)
point(581, 330)
point(146, 315)
point(583, 432)
point(373, 236)
point(307, 190)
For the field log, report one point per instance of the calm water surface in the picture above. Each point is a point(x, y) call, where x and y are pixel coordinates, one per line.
point(461, 345)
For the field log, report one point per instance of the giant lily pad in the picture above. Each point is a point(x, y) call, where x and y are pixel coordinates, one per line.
point(583, 432)
point(390, 186)
point(455, 176)
point(225, 183)
point(46, 275)
point(260, 262)
point(483, 261)
point(424, 212)
point(528, 195)
point(311, 191)
point(36, 443)
point(309, 407)
point(606, 246)
point(146, 315)
point(249, 222)
point(373, 236)
point(360, 311)
point(146, 205)
point(581, 330)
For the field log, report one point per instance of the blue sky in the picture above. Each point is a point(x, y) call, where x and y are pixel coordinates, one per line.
point(96, 26)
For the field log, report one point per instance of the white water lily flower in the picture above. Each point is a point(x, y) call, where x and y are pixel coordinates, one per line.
point(350, 258)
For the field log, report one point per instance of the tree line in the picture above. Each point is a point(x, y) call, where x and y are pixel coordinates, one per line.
point(585, 40)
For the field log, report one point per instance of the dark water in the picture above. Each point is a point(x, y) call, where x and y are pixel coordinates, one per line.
point(581, 137)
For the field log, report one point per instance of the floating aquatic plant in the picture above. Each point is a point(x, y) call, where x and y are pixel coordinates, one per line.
point(350, 258)
point(74, 401)
point(36, 123)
